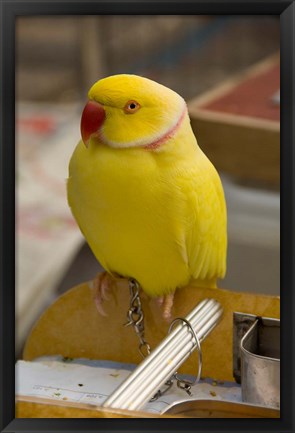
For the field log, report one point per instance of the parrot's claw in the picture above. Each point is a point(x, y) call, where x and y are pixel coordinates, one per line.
point(101, 286)
point(166, 303)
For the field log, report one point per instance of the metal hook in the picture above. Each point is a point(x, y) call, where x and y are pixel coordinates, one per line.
point(183, 383)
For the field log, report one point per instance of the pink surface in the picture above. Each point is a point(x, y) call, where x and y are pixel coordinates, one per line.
point(252, 97)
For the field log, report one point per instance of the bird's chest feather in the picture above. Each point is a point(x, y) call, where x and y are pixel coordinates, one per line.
point(122, 198)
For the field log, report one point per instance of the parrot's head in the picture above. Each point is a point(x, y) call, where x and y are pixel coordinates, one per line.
point(131, 111)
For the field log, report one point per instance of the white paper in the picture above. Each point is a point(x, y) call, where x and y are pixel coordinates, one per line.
point(87, 381)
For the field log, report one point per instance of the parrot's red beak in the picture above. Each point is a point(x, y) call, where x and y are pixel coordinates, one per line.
point(92, 118)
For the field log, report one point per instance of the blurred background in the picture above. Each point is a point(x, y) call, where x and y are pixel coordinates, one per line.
point(59, 58)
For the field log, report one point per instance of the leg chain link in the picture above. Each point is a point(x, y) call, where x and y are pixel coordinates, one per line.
point(135, 317)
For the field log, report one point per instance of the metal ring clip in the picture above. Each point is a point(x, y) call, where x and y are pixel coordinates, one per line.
point(182, 383)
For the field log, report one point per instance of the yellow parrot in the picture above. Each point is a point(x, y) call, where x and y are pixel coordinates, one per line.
point(148, 201)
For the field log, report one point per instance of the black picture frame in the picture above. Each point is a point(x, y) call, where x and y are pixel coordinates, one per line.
point(11, 9)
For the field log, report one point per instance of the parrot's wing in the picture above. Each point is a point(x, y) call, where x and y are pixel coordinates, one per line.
point(206, 239)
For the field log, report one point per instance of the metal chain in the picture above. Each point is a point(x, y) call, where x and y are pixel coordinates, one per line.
point(135, 318)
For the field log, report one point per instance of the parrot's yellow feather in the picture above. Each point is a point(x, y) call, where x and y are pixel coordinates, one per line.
point(154, 214)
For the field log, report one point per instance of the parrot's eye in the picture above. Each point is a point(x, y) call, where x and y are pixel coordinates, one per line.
point(131, 107)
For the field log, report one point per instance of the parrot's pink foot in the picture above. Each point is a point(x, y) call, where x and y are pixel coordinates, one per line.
point(102, 284)
point(166, 302)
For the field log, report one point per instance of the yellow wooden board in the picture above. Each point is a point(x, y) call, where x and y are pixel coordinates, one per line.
point(72, 327)
point(33, 408)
